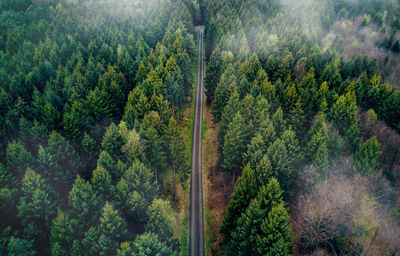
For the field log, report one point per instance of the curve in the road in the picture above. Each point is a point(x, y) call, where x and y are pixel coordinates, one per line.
point(196, 239)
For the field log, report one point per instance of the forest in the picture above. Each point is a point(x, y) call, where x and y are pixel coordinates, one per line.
point(91, 96)
point(305, 97)
point(96, 102)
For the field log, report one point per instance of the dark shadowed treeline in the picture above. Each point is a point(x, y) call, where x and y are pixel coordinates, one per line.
point(90, 94)
point(296, 114)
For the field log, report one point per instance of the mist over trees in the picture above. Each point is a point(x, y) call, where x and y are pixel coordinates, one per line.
point(304, 94)
point(298, 91)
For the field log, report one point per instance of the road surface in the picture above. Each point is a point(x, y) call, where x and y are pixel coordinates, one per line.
point(196, 239)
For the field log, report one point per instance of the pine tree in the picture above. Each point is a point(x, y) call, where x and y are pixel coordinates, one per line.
point(291, 142)
point(244, 237)
point(270, 195)
point(255, 151)
point(146, 244)
point(20, 247)
point(228, 114)
point(112, 142)
point(37, 203)
point(84, 203)
point(213, 74)
point(317, 146)
point(235, 144)
point(59, 162)
point(112, 231)
point(18, 158)
point(278, 156)
point(102, 182)
point(278, 122)
point(344, 116)
point(136, 107)
point(367, 155)
point(105, 161)
point(62, 234)
point(223, 91)
point(175, 146)
point(245, 190)
point(276, 233)
point(161, 221)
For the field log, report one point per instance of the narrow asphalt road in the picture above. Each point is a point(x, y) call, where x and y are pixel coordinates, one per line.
point(196, 239)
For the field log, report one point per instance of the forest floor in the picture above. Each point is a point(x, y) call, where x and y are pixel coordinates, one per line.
point(218, 187)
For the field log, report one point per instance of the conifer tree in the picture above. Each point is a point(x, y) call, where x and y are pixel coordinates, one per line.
point(367, 155)
point(276, 232)
point(235, 144)
point(244, 237)
point(245, 190)
point(228, 114)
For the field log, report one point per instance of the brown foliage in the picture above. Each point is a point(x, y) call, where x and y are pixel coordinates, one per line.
point(347, 214)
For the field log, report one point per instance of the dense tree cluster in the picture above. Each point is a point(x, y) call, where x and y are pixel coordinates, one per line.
point(288, 109)
point(90, 96)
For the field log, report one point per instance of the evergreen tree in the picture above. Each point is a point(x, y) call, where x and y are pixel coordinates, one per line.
point(255, 151)
point(136, 107)
point(62, 234)
point(175, 146)
point(223, 91)
point(18, 158)
point(244, 237)
point(245, 190)
point(113, 142)
point(282, 169)
point(37, 205)
point(228, 114)
point(102, 182)
point(84, 202)
point(213, 74)
point(112, 231)
point(235, 144)
point(344, 115)
point(278, 122)
point(58, 162)
point(146, 244)
point(161, 220)
point(317, 145)
point(20, 247)
point(367, 155)
point(276, 233)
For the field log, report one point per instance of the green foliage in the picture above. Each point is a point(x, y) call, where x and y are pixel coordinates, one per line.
point(367, 155)
point(317, 145)
point(245, 190)
point(112, 231)
point(244, 237)
point(161, 221)
point(58, 162)
point(344, 116)
point(235, 144)
point(18, 158)
point(84, 202)
point(146, 244)
point(276, 233)
point(20, 247)
point(228, 114)
point(37, 203)
point(62, 234)
point(113, 142)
